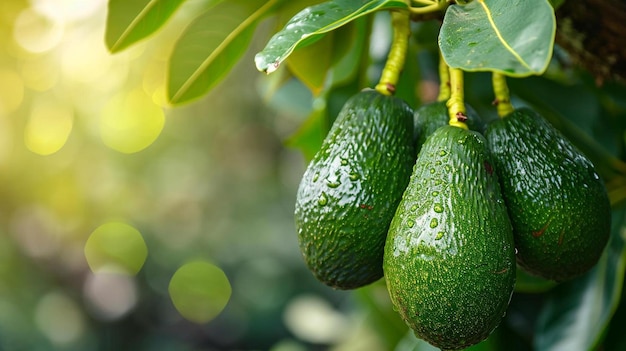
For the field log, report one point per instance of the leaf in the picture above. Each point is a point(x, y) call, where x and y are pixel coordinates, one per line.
point(515, 38)
point(311, 64)
point(577, 312)
point(310, 24)
point(211, 45)
point(311, 133)
point(130, 21)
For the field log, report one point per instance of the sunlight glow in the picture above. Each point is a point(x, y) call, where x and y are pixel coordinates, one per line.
point(131, 122)
point(35, 33)
point(68, 10)
point(11, 91)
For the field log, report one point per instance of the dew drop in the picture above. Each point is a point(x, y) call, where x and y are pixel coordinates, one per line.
point(410, 223)
point(414, 208)
point(323, 200)
point(344, 162)
point(439, 235)
point(333, 184)
point(435, 193)
point(442, 153)
point(438, 208)
point(354, 176)
point(434, 223)
point(432, 171)
point(315, 177)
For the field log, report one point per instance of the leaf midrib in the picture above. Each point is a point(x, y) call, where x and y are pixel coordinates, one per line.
point(133, 24)
point(229, 38)
point(501, 38)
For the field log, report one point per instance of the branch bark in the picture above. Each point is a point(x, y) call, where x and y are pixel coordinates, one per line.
point(594, 34)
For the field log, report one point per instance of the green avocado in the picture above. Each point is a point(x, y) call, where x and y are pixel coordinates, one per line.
point(449, 259)
point(431, 116)
point(350, 190)
point(557, 203)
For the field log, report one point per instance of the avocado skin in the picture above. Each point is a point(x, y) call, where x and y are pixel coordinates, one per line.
point(557, 203)
point(431, 116)
point(449, 258)
point(350, 190)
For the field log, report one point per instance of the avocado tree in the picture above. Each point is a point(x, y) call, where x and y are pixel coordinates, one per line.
point(563, 59)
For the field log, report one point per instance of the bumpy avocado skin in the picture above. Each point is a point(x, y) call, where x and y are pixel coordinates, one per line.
point(350, 190)
point(557, 203)
point(431, 116)
point(449, 258)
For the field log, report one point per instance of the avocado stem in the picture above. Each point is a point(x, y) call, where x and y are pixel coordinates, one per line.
point(501, 92)
point(444, 79)
point(429, 6)
point(400, 22)
point(456, 102)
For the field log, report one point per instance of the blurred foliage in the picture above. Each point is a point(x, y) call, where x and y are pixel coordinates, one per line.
point(126, 224)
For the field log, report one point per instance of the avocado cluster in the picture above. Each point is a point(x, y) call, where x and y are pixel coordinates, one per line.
point(447, 214)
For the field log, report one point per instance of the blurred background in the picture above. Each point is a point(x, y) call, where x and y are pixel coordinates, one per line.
point(129, 225)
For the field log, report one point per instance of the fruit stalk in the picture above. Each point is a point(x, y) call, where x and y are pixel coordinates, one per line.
point(501, 91)
point(456, 104)
point(397, 53)
point(444, 80)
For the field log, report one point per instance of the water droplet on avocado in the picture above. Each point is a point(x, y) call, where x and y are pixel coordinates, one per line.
point(434, 223)
point(334, 184)
point(323, 200)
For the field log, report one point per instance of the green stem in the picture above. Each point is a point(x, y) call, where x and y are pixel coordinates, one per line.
point(456, 103)
point(501, 91)
point(444, 80)
point(433, 7)
point(397, 54)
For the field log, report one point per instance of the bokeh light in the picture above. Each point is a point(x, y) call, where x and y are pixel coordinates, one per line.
point(313, 319)
point(48, 127)
point(116, 247)
point(131, 122)
point(36, 33)
point(110, 295)
point(11, 91)
point(59, 318)
point(199, 291)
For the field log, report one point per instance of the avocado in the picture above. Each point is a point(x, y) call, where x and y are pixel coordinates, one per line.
point(429, 117)
point(449, 259)
point(350, 189)
point(557, 203)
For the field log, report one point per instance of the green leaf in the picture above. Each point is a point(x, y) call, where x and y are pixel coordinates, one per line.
point(129, 21)
point(577, 312)
point(211, 45)
point(310, 24)
point(515, 38)
point(311, 64)
point(311, 133)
